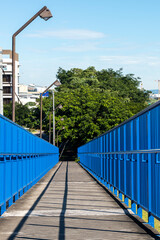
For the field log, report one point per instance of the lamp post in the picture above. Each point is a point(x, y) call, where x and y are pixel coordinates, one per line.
point(43, 13)
point(58, 132)
point(56, 83)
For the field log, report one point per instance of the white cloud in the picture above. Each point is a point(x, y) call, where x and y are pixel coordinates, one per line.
point(74, 34)
point(78, 48)
point(131, 60)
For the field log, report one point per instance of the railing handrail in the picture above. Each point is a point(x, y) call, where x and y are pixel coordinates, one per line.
point(124, 152)
point(25, 154)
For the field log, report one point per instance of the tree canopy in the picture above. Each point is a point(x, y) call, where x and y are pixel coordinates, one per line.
point(96, 101)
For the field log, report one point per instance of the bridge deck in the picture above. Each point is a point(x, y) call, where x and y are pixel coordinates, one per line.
point(68, 204)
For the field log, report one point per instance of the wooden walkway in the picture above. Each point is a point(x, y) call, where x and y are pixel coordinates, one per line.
point(68, 204)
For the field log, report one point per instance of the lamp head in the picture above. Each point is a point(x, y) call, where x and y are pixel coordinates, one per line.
point(57, 83)
point(46, 14)
point(60, 107)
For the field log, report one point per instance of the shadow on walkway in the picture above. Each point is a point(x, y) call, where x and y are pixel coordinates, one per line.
point(64, 205)
point(22, 222)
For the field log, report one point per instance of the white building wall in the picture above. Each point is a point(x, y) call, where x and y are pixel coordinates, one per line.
point(7, 63)
point(41, 89)
point(23, 88)
point(30, 93)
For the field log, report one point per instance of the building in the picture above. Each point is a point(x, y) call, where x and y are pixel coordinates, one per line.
point(155, 94)
point(7, 76)
point(23, 93)
point(29, 93)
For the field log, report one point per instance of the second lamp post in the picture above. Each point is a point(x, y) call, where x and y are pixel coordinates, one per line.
point(55, 83)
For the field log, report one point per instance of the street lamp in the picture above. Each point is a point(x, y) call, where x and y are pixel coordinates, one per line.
point(55, 83)
point(43, 13)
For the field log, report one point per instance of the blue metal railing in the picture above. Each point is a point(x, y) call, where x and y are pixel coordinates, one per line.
point(24, 159)
point(126, 159)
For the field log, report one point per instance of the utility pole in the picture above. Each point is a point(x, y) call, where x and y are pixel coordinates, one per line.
point(1, 83)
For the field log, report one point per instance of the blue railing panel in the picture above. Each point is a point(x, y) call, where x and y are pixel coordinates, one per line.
point(134, 179)
point(2, 181)
point(24, 159)
point(127, 160)
point(14, 176)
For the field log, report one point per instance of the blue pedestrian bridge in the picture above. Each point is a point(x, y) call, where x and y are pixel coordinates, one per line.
point(125, 161)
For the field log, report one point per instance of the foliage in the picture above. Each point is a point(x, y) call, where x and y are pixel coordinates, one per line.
point(23, 117)
point(77, 160)
point(96, 101)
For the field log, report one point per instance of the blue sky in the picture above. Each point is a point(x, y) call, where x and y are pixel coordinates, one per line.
point(101, 33)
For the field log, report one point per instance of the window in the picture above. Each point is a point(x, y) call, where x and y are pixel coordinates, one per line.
point(6, 101)
point(6, 89)
point(6, 78)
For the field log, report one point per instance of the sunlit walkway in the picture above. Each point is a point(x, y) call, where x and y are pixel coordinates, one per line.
point(68, 204)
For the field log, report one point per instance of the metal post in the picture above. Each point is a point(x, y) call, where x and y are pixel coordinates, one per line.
point(53, 119)
point(1, 84)
point(57, 138)
point(50, 127)
point(58, 133)
point(13, 77)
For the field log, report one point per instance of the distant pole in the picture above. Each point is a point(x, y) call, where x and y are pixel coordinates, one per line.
point(41, 116)
point(58, 133)
point(50, 127)
point(53, 119)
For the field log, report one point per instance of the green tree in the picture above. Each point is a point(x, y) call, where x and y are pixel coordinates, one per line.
point(23, 117)
point(96, 101)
